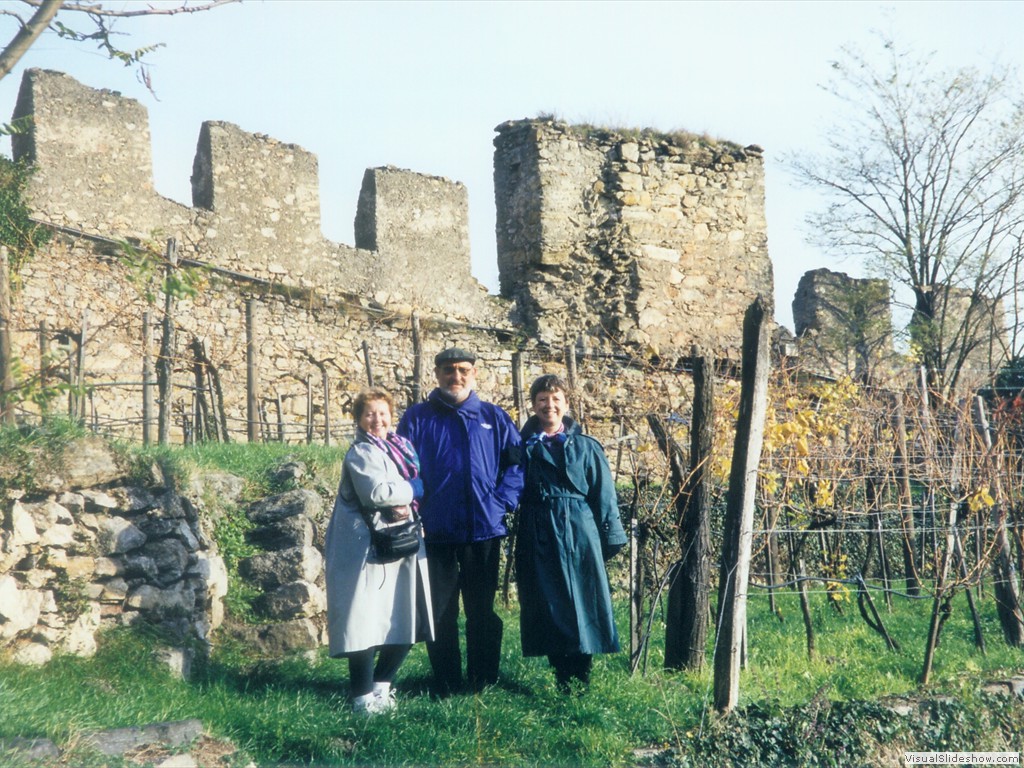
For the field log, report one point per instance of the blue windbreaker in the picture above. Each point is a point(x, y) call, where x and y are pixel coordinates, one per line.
point(469, 463)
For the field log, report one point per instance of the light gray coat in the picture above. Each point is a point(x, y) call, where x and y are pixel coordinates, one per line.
point(371, 604)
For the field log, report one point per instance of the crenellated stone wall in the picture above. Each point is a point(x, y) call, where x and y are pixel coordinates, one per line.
point(631, 250)
point(255, 209)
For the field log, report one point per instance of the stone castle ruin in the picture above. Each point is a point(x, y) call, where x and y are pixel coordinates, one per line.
point(630, 246)
point(845, 328)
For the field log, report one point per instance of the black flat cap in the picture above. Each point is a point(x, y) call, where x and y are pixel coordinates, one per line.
point(454, 355)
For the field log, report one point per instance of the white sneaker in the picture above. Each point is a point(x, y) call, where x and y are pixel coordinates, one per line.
point(381, 699)
point(367, 704)
point(386, 700)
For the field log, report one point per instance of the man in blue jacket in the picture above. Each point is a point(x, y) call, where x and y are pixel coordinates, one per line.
point(469, 463)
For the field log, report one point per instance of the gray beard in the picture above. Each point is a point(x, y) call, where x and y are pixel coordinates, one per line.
point(455, 399)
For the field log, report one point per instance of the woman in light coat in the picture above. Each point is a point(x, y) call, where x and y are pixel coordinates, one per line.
point(375, 610)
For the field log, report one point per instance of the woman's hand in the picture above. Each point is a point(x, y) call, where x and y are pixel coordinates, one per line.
point(396, 514)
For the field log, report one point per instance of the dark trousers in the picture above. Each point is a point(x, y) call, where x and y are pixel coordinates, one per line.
point(361, 672)
point(472, 570)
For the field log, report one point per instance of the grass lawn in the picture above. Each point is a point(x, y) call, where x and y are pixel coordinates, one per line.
point(793, 711)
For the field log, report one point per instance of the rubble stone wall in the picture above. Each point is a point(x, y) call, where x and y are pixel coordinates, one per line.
point(88, 548)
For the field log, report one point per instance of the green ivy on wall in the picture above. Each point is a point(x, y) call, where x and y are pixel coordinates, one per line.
point(18, 232)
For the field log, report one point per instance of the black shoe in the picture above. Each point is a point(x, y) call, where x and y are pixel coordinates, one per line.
point(442, 689)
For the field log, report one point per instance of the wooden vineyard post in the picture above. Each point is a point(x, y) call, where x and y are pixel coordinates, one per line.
point(906, 503)
point(280, 417)
point(686, 626)
point(417, 361)
point(368, 363)
point(44, 364)
point(518, 391)
point(739, 513)
point(805, 608)
point(165, 360)
point(147, 378)
point(326, 384)
point(576, 405)
point(636, 592)
point(6, 367)
point(252, 415)
point(1008, 605)
point(309, 410)
point(76, 378)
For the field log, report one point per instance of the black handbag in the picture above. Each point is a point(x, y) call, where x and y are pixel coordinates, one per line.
point(392, 541)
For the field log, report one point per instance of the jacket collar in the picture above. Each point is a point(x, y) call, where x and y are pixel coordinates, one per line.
point(532, 427)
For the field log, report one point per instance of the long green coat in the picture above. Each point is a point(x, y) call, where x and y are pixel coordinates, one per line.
point(568, 520)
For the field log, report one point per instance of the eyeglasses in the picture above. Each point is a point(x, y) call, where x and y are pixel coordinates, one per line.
point(450, 368)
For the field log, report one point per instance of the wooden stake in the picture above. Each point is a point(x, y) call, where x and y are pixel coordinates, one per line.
point(739, 516)
point(252, 415)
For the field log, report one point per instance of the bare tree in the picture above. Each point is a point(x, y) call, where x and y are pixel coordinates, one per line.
point(41, 15)
point(924, 174)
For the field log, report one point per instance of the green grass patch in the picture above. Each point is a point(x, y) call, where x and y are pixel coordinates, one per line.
point(254, 463)
point(793, 711)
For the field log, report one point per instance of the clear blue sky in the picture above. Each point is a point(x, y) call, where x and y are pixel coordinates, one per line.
point(421, 85)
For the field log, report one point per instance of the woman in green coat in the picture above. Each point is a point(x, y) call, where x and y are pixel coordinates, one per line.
point(568, 526)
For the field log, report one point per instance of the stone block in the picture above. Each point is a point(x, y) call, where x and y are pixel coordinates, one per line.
point(176, 601)
point(295, 531)
point(657, 253)
point(87, 461)
point(272, 569)
point(21, 525)
point(41, 751)
point(282, 638)
point(106, 567)
point(283, 505)
point(80, 639)
point(118, 741)
point(219, 485)
point(19, 608)
point(113, 591)
point(33, 655)
point(298, 599)
point(213, 572)
point(139, 566)
point(170, 559)
point(629, 151)
point(117, 535)
point(178, 660)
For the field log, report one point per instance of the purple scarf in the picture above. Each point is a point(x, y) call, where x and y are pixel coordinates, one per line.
point(400, 451)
